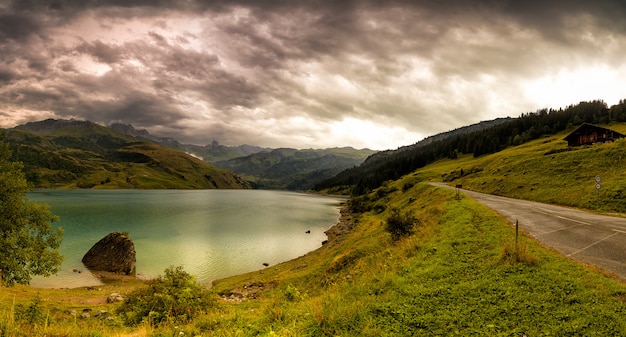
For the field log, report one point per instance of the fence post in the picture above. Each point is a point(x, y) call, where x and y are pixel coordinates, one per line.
point(516, 235)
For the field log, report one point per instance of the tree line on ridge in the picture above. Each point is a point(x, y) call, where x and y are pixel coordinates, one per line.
point(513, 131)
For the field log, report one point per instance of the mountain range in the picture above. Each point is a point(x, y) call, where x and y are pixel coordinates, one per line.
point(82, 154)
point(291, 169)
point(210, 153)
point(278, 169)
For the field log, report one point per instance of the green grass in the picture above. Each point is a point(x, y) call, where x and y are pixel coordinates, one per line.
point(26, 311)
point(458, 274)
point(87, 155)
point(447, 279)
point(547, 170)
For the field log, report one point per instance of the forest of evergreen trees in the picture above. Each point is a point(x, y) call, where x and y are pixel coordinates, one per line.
point(514, 131)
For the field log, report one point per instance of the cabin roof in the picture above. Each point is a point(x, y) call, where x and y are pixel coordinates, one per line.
point(584, 127)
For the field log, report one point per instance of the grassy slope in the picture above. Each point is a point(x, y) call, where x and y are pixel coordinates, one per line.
point(447, 279)
point(92, 156)
point(547, 170)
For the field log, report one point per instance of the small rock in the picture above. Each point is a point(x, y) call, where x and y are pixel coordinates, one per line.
point(115, 297)
point(253, 284)
point(85, 315)
point(266, 264)
point(100, 313)
point(300, 266)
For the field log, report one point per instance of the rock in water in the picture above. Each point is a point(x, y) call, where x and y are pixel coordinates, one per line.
point(114, 253)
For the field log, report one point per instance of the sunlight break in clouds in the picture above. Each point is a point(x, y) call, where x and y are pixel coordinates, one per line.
point(305, 74)
point(567, 87)
point(378, 135)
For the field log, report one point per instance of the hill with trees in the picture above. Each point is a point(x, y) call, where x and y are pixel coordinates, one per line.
point(490, 139)
point(291, 169)
point(277, 169)
point(82, 154)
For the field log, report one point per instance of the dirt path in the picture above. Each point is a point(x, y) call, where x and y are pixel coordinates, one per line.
point(595, 239)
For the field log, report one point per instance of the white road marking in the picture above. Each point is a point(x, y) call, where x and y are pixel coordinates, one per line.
point(593, 244)
point(572, 220)
point(561, 229)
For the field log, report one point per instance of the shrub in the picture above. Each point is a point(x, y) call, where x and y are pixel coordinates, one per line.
point(517, 253)
point(407, 186)
point(400, 224)
point(360, 204)
point(174, 297)
point(33, 313)
point(292, 294)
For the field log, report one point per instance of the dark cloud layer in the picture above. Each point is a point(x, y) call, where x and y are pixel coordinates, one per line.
point(305, 73)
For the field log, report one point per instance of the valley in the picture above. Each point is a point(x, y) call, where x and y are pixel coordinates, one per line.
point(460, 271)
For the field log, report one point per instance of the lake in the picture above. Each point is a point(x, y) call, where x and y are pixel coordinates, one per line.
point(211, 233)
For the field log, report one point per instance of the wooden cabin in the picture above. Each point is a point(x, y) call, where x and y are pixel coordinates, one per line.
point(587, 134)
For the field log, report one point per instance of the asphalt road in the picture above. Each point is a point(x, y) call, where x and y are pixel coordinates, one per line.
point(595, 239)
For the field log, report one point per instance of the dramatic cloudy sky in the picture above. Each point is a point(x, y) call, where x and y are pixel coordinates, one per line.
point(296, 73)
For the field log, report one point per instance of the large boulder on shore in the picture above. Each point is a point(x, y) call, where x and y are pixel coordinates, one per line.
point(114, 253)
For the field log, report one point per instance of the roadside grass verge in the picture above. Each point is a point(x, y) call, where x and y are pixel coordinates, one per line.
point(456, 283)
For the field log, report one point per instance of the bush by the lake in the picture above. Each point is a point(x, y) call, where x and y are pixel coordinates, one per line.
point(174, 297)
point(400, 224)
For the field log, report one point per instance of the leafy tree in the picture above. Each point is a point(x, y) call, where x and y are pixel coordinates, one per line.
point(28, 243)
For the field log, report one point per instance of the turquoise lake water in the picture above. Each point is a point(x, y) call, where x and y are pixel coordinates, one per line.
point(211, 233)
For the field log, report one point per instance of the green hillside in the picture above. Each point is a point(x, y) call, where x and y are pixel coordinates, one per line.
point(549, 171)
point(291, 169)
point(77, 154)
point(277, 169)
point(477, 142)
point(454, 275)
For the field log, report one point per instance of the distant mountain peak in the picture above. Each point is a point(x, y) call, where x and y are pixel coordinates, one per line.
point(130, 130)
point(209, 153)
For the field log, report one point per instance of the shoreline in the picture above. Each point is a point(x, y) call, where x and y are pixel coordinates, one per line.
point(343, 226)
point(253, 286)
point(332, 235)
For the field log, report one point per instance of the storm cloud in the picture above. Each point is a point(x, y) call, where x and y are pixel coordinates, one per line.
point(377, 74)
